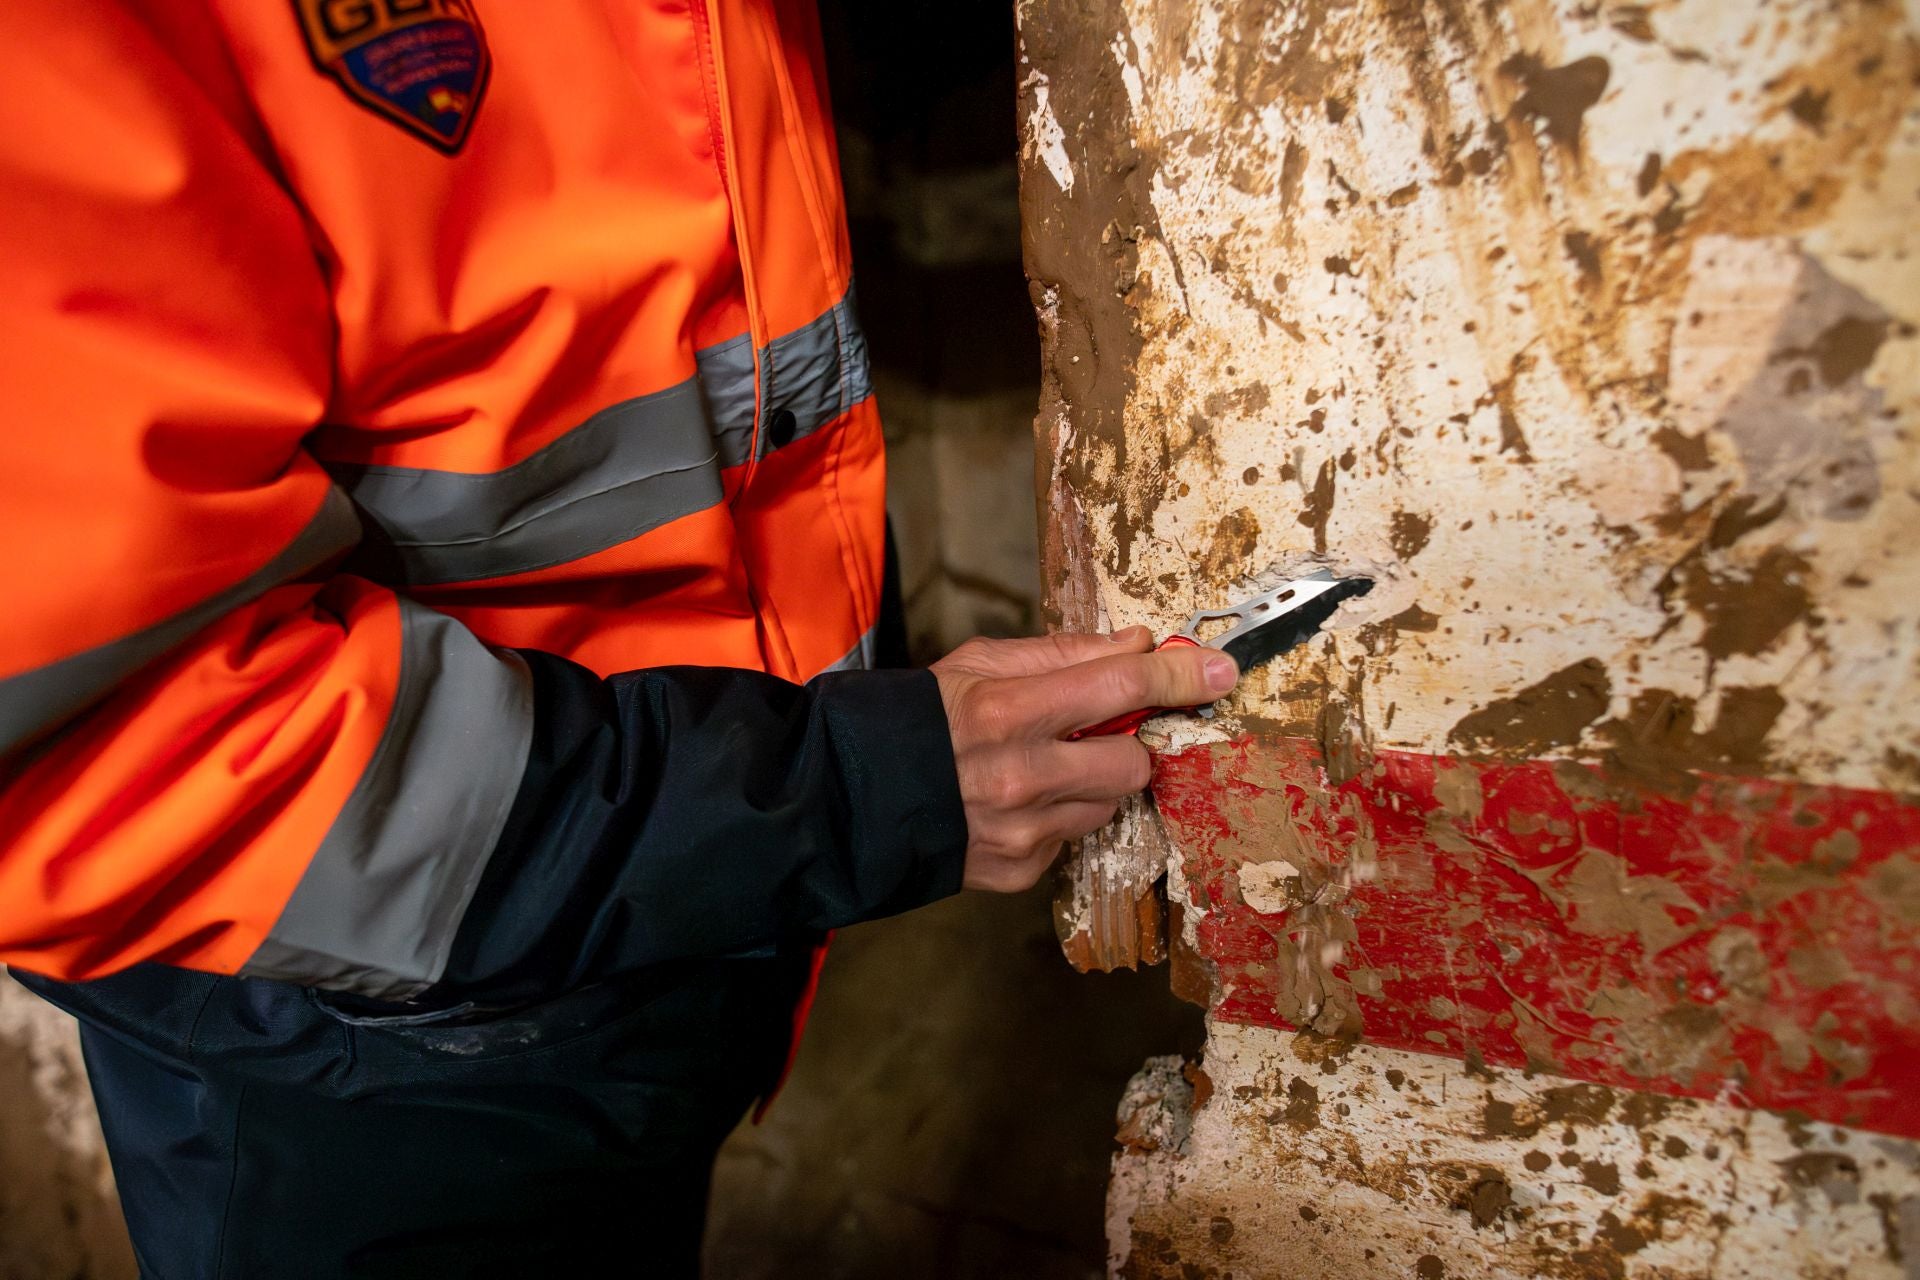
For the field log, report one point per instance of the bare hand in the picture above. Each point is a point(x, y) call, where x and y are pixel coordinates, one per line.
point(1010, 704)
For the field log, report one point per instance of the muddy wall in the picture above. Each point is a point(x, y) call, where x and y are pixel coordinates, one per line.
point(1587, 331)
point(58, 1214)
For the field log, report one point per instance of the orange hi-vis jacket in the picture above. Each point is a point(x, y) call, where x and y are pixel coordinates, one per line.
point(346, 348)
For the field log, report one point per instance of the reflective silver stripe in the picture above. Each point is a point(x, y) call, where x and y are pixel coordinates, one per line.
point(629, 468)
point(726, 388)
point(858, 658)
point(378, 907)
point(817, 372)
point(820, 370)
point(35, 701)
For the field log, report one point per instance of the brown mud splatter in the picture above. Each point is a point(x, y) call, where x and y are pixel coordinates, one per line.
point(1082, 254)
point(1584, 249)
point(1601, 1175)
point(1741, 516)
point(1241, 401)
point(1414, 618)
point(1230, 553)
point(1657, 1035)
point(1689, 453)
point(1845, 348)
point(1317, 505)
point(1552, 712)
point(1344, 749)
point(1558, 97)
point(1810, 108)
point(1457, 788)
point(1660, 743)
point(1483, 1193)
point(1302, 1111)
point(1564, 1106)
point(1410, 532)
point(1328, 1053)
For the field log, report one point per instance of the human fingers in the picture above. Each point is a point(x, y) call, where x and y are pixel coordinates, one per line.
point(1026, 849)
point(1054, 702)
point(1033, 655)
point(1076, 818)
point(1099, 769)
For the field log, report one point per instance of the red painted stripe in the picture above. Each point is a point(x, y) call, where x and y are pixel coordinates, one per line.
point(1757, 937)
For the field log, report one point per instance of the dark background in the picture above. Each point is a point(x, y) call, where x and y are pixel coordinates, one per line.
point(952, 1110)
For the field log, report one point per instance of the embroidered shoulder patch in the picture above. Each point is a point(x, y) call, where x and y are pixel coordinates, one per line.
point(420, 63)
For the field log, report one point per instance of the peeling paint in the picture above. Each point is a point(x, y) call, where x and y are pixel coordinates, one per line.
point(1107, 911)
point(1045, 140)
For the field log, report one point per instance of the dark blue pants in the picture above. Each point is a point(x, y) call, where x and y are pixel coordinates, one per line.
point(259, 1129)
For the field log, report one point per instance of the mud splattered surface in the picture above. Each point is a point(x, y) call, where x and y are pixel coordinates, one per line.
point(1588, 330)
point(1550, 713)
point(1512, 1175)
point(1591, 333)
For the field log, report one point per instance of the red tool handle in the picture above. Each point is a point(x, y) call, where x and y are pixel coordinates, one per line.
point(1132, 720)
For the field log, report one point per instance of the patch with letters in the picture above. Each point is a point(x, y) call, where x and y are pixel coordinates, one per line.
point(420, 63)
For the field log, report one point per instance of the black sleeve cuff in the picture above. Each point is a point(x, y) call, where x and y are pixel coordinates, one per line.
point(698, 811)
point(895, 756)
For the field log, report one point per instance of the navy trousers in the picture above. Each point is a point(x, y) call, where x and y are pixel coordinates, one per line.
point(259, 1129)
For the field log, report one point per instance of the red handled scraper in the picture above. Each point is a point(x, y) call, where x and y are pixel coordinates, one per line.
point(1260, 629)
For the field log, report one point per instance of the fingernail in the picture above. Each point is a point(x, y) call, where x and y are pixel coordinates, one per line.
point(1222, 673)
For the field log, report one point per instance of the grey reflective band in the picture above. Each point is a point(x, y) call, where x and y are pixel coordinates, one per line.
point(631, 467)
point(36, 701)
point(819, 371)
point(858, 658)
point(377, 909)
point(816, 373)
point(627, 469)
point(726, 389)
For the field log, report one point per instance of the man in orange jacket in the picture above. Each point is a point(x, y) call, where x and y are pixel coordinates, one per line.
point(442, 511)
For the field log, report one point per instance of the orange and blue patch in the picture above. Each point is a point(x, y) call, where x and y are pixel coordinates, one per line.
point(421, 64)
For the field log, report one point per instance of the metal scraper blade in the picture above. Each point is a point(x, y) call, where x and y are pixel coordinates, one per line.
point(1279, 620)
point(1257, 630)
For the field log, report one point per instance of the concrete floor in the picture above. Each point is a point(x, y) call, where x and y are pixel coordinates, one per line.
point(951, 1113)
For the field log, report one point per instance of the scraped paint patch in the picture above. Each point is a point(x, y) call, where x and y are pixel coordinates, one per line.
point(1045, 140)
